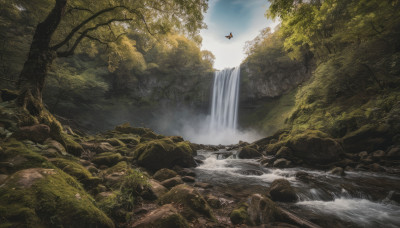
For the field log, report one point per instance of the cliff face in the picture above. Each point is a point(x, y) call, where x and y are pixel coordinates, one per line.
point(270, 83)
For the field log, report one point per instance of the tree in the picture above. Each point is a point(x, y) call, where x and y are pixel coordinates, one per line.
point(71, 21)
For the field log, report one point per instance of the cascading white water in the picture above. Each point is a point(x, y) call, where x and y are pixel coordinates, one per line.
point(225, 99)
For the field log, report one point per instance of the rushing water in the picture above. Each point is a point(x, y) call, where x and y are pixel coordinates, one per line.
point(225, 99)
point(357, 200)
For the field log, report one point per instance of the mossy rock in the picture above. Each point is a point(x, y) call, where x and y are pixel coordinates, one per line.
point(48, 198)
point(164, 174)
point(240, 215)
point(281, 190)
point(166, 216)
point(194, 204)
point(16, 156)
point(72, 146)
point(248, 152)
point(127, 129)
point(128, 138)
point(115, 142)
point(108, 158)
point(369, 137)
point(164, 153)
point(262, 210)
point(76, 170)
point(315, 147)
point(119, 167)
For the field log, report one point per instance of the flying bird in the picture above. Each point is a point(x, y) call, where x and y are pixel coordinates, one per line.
point(229, 36)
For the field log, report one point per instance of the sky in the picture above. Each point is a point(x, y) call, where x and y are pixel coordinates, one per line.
point(244, 18)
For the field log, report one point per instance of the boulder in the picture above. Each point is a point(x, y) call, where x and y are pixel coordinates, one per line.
point(186, 172)
point(378, 155)
point(163, 153)
point(108, 158)
point(239, 215)
point(53, 144)
point(202, 185)
point(262, 210)
point(164, 174)
point(37, 133)
point(166, 216)
point(338, 171)
point(39, 197)
point(281, 190)
point(190, 199)
point(282, 163)
point(213, 201)
point(97, 147)
point(393, 153)
point(284, 152)
point(156, 189)
point(172, 182)
point(247, 153)
point(188, 179)
point(315, 147)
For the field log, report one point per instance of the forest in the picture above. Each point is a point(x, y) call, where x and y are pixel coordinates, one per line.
point(111, 112)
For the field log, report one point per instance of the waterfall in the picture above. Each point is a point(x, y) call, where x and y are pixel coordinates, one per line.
point(225, 99)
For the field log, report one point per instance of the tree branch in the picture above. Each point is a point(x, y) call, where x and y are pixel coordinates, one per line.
point(79, 8)
point(76, 29)
point(84, 34)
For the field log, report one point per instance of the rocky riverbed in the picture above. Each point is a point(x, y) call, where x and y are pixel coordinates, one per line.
point(51, 175)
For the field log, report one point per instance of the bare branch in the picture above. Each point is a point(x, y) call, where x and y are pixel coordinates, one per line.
point(76, 29)
point(84, 34)
point(79, 8)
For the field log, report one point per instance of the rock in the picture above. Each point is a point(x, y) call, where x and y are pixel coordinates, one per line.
point(213, 201)
point(97, 147)
point(338, 171)
point(108, 158)
point(203, 185)
point(192, 202)
point(284, 152)
point(186, 172)
point(248, 152)
point(394, 196)
point(164, 153)
point(394, 153)
point(115, 142)
point(166, 216)
point(172, 182)
point(282, 163)
point(3, 177)
point(363, 155)
point(188, 179)
point(369, 137)
point(375, 167)
point(378, 155)
point(157, 189)
point(37, 133)
point(56, 145)
point(281, 190)
point(40, 197)
point(262, 210)
point(164, 174)
point(250, 172)
point(113, 179)
point(315, 147)
point(367, 160)
point(76, 170)
point(240, 215)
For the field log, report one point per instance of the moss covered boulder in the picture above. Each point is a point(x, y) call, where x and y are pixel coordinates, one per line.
point(315, 147)
point(76, 170)
point(194, 204)
point(281, 190)
point(37, 133)
point(262, 210)
point(166, 216)
point(240, 215)
point(248, 152)
point(164, 153)
point(164, 174)
point(40, 197)
point(108, 158)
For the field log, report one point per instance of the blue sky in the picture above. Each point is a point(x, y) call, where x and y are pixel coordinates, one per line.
point(244, 18)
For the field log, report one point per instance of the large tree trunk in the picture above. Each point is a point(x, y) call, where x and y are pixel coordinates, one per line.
point(41, 56)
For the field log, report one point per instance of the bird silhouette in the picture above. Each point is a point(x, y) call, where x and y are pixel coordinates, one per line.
point(229, 36)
